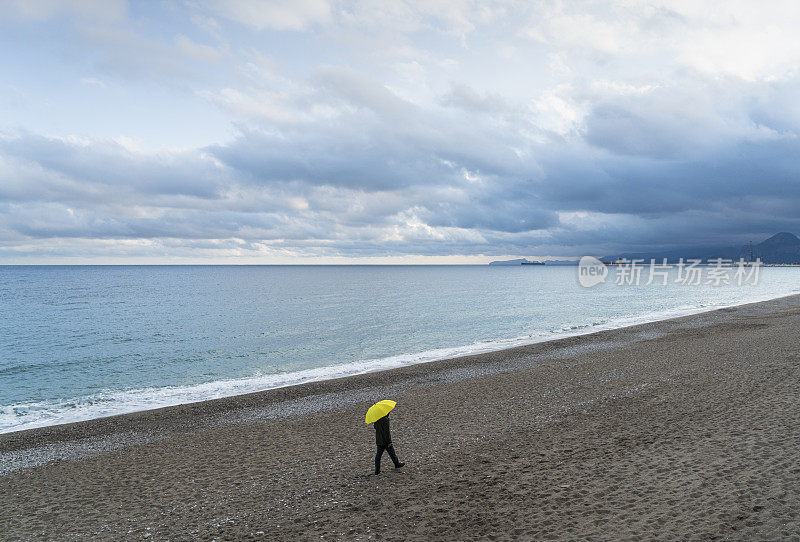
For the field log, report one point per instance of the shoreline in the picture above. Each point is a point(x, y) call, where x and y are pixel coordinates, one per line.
point(303, 388)
point(265, 383)
point(681, 428)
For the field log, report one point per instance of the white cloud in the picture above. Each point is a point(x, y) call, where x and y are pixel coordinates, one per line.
point(93, 81)
point(556, 111)
point(197, 51)
point(274, 14)
point(739, 38)
point(274, 107)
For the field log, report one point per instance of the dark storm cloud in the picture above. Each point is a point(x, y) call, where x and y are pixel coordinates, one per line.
point(321, 189)
point(111, 164)
point(362, 159)
point(376, 141)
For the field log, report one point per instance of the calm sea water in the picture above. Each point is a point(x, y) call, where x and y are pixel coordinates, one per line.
point(83, 342)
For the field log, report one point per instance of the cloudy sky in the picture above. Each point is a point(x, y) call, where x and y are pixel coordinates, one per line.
point(406, 131)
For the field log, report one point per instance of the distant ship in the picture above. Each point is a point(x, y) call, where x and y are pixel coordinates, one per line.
point(518, 261)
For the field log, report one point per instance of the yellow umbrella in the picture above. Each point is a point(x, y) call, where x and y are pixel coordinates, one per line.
point(379, 410)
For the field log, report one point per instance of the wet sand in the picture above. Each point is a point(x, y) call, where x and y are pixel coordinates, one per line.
point(687, 428)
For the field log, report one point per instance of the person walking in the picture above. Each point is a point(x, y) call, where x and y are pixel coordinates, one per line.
point(383, 439)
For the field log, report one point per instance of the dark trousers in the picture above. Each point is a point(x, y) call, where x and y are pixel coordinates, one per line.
point(389, 449)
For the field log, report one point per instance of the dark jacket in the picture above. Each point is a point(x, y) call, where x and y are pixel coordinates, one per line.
point(382, 436)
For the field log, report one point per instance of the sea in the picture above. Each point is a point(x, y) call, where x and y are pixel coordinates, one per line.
point(83, 342)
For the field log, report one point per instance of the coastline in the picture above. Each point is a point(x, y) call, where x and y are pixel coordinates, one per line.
point(490, 439)
point(143, 400)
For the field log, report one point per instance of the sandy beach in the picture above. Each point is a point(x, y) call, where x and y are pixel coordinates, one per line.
point(681, 429)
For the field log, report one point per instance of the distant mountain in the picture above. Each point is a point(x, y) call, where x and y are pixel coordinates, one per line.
point(518, 261)
point(782, 247)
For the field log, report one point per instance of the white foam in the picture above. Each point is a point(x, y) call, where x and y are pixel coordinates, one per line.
point(31, 415)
